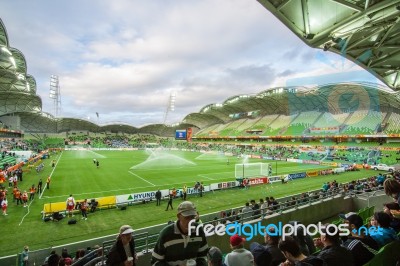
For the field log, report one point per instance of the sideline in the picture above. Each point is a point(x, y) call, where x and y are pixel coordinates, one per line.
point(51, 174)
point(142, 178)
point(29, 210)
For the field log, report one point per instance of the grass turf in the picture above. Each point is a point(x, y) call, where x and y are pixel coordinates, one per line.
point(124, 172)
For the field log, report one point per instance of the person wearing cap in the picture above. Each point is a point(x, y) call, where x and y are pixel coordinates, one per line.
point(357, 242)
point(214, 257)
point(176, 245)
point(239, 256)
point(123, 251)
point(261, 255)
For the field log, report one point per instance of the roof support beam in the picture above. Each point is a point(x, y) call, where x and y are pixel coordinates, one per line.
point(387, 57)
point(361, 40)
point(396, 80)
point(387, 32)
point(366, 4)
point(283, 4)
point(306, 19)
point(349, 5)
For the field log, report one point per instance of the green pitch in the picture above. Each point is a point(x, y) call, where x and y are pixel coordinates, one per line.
point(123, 172)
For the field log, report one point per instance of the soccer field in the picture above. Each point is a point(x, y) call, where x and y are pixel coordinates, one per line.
point(122, 172)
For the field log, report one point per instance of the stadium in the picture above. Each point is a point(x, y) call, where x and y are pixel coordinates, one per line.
point(284, 142)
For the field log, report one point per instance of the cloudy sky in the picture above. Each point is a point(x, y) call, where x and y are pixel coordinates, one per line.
point(124, 58)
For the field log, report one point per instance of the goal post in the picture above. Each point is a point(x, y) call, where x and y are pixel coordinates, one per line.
point(245, 170)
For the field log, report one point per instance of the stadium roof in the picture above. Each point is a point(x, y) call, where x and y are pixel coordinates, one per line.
point(366, 32)
point(333, 98)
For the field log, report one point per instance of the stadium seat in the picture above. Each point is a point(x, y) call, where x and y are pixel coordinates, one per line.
point(387, 255)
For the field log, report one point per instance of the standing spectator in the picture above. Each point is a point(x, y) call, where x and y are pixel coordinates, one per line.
point(39, 186)
point(4, 205)
point(175, 245)
point(158, 198)
point(239, 256)
point(84, 207)
point(214, 257)
point(170, 202)
point(97, 163)
point(25, 256)
point(123, 250)
point(70, 205)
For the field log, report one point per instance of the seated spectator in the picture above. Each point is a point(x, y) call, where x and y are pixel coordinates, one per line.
point(392, 189)
point(291, 250)
point(332, 252)
point(53, 260)
point(305, 241)
point(386, 234)
point(271, 239)
point(239, 256)
point(392, 208)
point(214, 257)
point(247, 212)
point(261, 255)
point(66, 257)
point(256, 208)
point(362, 247)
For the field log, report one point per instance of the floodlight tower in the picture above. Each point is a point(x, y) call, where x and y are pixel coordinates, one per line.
point(170, 106)
point(55, 94)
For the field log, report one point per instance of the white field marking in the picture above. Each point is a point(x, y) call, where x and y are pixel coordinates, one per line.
point(142, 178)
point(52, 171)
point(26, 213)
point(209, 178)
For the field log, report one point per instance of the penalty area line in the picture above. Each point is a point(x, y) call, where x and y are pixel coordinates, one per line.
point(142, 178)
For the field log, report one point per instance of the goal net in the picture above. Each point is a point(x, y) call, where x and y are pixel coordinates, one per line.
point(245, 170)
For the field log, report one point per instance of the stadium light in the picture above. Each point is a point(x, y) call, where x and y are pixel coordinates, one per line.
point(55, 94)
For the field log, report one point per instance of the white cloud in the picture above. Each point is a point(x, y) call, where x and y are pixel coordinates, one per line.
point(124, 58)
